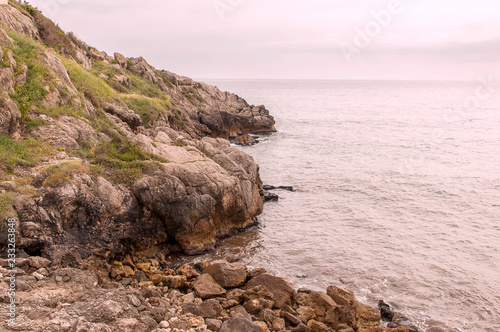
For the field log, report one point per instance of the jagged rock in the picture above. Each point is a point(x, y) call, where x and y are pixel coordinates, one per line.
point(320, 302)
point(122, 79)
point(83, 59)
point(6, 80)
point(228, 275)
point(98, 55)
point(122, 61)
point(126, 115)
point(56, 65)
point(206, 287)
point(281, 288)
point(208, 309)
point(306, 313)
point(5, 40)
point(13, 19)
point(9, 115)
point(142, 68)
point(244, 139)
point(341, 296)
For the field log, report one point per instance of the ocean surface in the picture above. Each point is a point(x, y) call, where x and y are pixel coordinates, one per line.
point(397, 194)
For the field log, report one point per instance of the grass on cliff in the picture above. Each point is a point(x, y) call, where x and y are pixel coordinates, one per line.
point(6, 210)
point(121, 161)
point(62, 173)
point(22, 153)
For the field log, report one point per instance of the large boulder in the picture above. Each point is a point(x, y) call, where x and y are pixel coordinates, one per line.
point(206, 287)
point(228, 275)
point(281, 288)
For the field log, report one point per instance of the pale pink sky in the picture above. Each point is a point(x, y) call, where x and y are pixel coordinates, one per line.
point(292, 39)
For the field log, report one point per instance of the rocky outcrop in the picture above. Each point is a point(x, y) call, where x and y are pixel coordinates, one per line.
point(15, 20)
point(137, 294)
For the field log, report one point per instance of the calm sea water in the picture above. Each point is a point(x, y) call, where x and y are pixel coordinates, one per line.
point(397, 194)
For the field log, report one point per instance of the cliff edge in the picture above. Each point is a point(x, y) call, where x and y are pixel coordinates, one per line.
point(102, 156)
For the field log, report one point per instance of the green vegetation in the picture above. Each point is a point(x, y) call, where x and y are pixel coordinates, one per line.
point(6, 210)
point(62, 173)
point(92, 87)
point(22, 153)
point(121, 161)
point(150, 109)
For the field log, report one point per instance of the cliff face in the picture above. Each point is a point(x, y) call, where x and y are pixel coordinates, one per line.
point(103, 155)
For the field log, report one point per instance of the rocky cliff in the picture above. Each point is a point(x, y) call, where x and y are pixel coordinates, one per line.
point(102, 156)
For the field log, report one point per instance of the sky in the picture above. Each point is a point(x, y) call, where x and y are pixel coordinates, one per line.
point(294, 39)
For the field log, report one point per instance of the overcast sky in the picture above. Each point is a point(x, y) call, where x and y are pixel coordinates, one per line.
point(294, 39)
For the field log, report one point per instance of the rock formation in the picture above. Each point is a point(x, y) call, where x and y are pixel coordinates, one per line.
point(109, 155)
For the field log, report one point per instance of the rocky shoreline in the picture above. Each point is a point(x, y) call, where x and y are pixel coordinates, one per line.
point(109, 165)
point(140, 294)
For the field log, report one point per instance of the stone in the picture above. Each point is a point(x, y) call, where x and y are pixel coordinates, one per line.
point(206, 287)
point(300, 328)
point(196, 321)
point(316, 326)
point(257, 305)
point(143, 266)
point(367, 315)
point(188, 271)
point(239, 311)
point(239, 324)
point(281, 288)
point(5, 40)
point(207, 309)
point(255, 272)
point(263, 326)
point(320, 302)
point(306, 313)
point(175, 282)
point(213, 324)
point(385, 311)
point(244, 139)
point(126, 115)
point(127, 324)
point(122, 61)
point(236, 294)
point(134, 300)
point(341, 296)
point(157, 278)
point(290, 318)
point(228, 275)
point(38, 262)
point(278, 324)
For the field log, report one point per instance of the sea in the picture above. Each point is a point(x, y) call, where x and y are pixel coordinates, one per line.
point(397, 194)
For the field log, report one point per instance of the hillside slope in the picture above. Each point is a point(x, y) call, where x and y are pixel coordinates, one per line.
point(102, 156)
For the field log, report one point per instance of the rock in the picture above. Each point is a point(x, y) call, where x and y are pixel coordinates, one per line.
point(5, 40)
point(134, 300)
point(263, 326)
point(175, 282)
point(244, 139)
point(95, 54)
point(383, 329)
point(239, 311)
point(38, 262)
point(13, 19)
point(122, 61)
point(188, 271)
point(306, 313)
point(320, 302)
point(206, 287)
point(270, 197)
point(236, 294)
point(122, 79)
point(281, 288)
point(341, 296)
point(278, 324)
point(208, 309)
point(239, 325)
point(127, 324)
point(385, 311)
point(255, 272)
point(8, 185)
point(143, 266)
point(10, 115)
point(316, 326)
point(300, 328)
point(367, 315)
point(290, 318)
point(213, 324)
point(126, 115)
point(228, 275)
point(257, 305)
point(157, 278)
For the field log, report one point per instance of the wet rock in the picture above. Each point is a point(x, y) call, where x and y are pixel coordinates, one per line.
point(244, 139)
point(281, 288)
point(269, 187)
point(239, 325)
point(206, 287)
point(270, 197)
point(228, 275)
point(385, 311)
point(341, 296)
